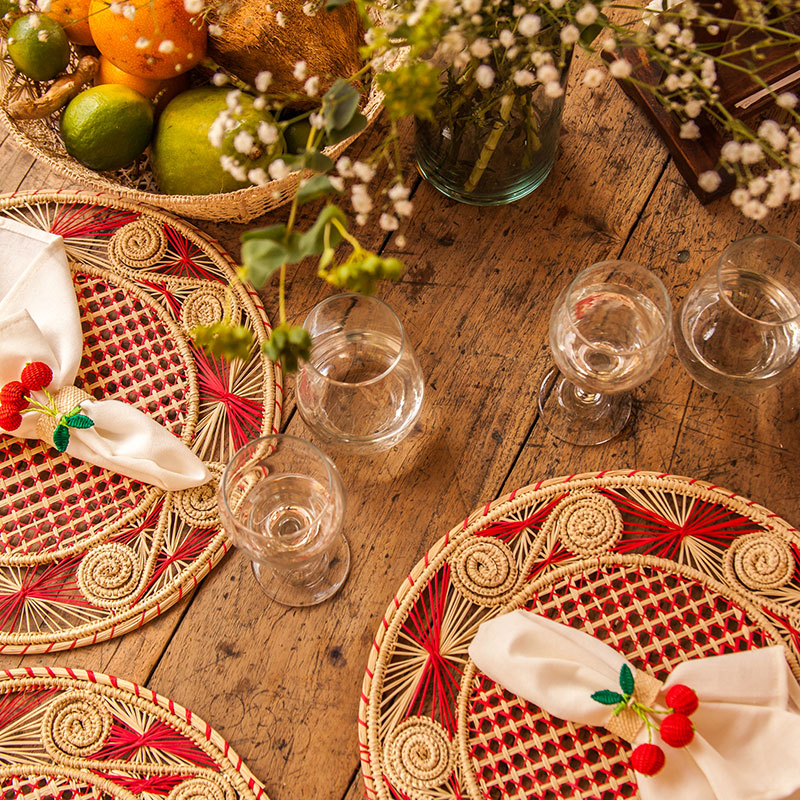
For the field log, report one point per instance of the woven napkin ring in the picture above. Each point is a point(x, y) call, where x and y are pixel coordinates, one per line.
point(66, 401)
point(640, 691)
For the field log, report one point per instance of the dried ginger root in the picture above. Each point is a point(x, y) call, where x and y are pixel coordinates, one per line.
point(58, 95)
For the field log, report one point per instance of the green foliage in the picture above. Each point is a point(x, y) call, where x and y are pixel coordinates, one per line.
point(288, 344)
point(331, 4)
point(224, 340)
point(339, 104)
point(79, 421)
point(362, 271)
point(356, 125)
point(607, 697)
point(411, 89)
point(61, 438)
point(626, 681)
point(266, 250)
point(314, 188)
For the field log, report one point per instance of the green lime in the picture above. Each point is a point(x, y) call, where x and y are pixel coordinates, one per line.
point(184, 159)
point(107, 127)
point(38, 47)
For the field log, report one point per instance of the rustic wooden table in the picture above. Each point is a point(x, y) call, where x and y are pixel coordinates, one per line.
point(282, 684)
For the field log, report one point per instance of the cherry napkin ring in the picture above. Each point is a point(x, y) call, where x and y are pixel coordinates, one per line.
point(723, 727)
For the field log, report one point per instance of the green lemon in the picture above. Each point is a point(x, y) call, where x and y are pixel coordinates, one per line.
point(107, 127)
point(183, 158)
point(38, 47)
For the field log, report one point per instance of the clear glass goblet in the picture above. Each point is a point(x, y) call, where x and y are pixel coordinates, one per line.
point(609, 332)
point(281, 501)
point(738, 329)
point(361, 390)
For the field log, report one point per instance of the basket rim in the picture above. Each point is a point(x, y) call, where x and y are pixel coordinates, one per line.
point(271, 195)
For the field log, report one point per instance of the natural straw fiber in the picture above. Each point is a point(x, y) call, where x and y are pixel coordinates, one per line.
point(86, 554)
point(42, 139)
point(660, 567)
point(71, 733)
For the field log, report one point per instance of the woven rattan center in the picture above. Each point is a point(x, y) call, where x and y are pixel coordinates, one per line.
point(656, 619)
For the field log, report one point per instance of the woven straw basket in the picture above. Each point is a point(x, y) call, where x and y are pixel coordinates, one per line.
point(42, 139)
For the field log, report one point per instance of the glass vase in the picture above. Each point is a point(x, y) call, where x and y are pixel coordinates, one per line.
point(489, 146)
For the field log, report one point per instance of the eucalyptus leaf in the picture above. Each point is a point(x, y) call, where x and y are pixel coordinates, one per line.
point(312, 241)
point(275, 233)
point(316, 161)
point(339, 104)
point(314, 188)
point(261, 258)
point(607, 697)
point(356, 125)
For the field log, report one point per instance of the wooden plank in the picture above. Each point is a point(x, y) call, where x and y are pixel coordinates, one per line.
point(283, 684)
point(135, 655)
point(750, 446)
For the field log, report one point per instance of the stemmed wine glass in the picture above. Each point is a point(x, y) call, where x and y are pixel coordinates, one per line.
point(609, 332)
point(281, 501)
point(738, 329)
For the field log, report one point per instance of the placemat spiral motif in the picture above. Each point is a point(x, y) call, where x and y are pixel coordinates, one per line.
point(70, 733)
point(86, 554)
point(660, 567)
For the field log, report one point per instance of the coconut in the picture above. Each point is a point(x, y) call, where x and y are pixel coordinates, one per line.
point(252, 41)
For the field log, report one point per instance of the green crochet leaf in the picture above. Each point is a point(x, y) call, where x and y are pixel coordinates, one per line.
point(61, 438)
point(626, 682)
point(79, 421)
point(607, 697)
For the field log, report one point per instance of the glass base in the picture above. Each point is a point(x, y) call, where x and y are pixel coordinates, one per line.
point(309, 586)
point(454, 186)
point(578, 417)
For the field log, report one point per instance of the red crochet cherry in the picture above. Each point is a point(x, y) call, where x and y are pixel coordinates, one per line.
point(682, 699)
point(648, 759)
point(36, 375)
point(10, 419)
point(676, 730)
point(12, 396)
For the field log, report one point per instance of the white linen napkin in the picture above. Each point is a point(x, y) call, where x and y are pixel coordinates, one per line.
point(40, 321)
point(747, 729)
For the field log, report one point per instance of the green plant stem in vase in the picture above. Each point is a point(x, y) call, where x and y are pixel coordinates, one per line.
point(492, 145)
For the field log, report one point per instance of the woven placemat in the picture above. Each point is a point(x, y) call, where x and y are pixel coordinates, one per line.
point(74, 734)
point(660, 567)
point(86, 554)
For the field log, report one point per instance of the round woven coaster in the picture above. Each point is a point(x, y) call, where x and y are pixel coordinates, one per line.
point(86, 554)
point(70, 733)
point(660, 567)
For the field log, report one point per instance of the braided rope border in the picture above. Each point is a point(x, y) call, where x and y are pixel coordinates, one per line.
point(125, 621)
point(417, 579)
point(190, 725)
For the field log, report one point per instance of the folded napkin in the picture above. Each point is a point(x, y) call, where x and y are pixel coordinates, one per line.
point(746, 727)
point(40, 322)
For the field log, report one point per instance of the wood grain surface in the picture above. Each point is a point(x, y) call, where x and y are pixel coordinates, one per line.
point(283, 684)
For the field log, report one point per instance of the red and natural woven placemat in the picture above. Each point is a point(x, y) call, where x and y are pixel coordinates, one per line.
point(86, 554)
point(660, 567)
point(70, 734)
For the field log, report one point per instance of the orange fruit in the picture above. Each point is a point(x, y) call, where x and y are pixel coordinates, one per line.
point(73, 15)
point(159, 91)
point(162, 39)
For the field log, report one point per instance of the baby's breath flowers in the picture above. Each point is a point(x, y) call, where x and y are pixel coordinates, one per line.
point(490, 66)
